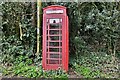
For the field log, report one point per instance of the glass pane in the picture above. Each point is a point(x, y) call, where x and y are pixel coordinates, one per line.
point(54, 21)
point(53, 61)
point(47, 32)
point(55, 37)
point(47, 55)
point(55, 32)
point(60, 61)
point(54, 49)
point(47, 61)
point(55, 26)
point(54, 43)
point(55, 56)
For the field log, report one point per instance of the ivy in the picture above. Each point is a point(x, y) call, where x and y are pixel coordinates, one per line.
point(94, 30)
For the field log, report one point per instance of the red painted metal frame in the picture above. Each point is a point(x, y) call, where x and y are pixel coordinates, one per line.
point(65, 38)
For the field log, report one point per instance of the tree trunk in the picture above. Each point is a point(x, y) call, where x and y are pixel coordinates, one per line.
point(34, 12)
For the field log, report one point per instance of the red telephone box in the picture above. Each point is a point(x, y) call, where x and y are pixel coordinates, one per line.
point(55, 38)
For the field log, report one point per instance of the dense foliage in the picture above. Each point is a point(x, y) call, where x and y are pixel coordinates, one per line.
point(94, 30)
point(15, 41)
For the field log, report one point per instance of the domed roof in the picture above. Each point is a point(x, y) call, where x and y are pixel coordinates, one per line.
point(55, 6)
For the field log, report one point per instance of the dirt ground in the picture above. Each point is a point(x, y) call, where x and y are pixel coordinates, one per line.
point(73, 74)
